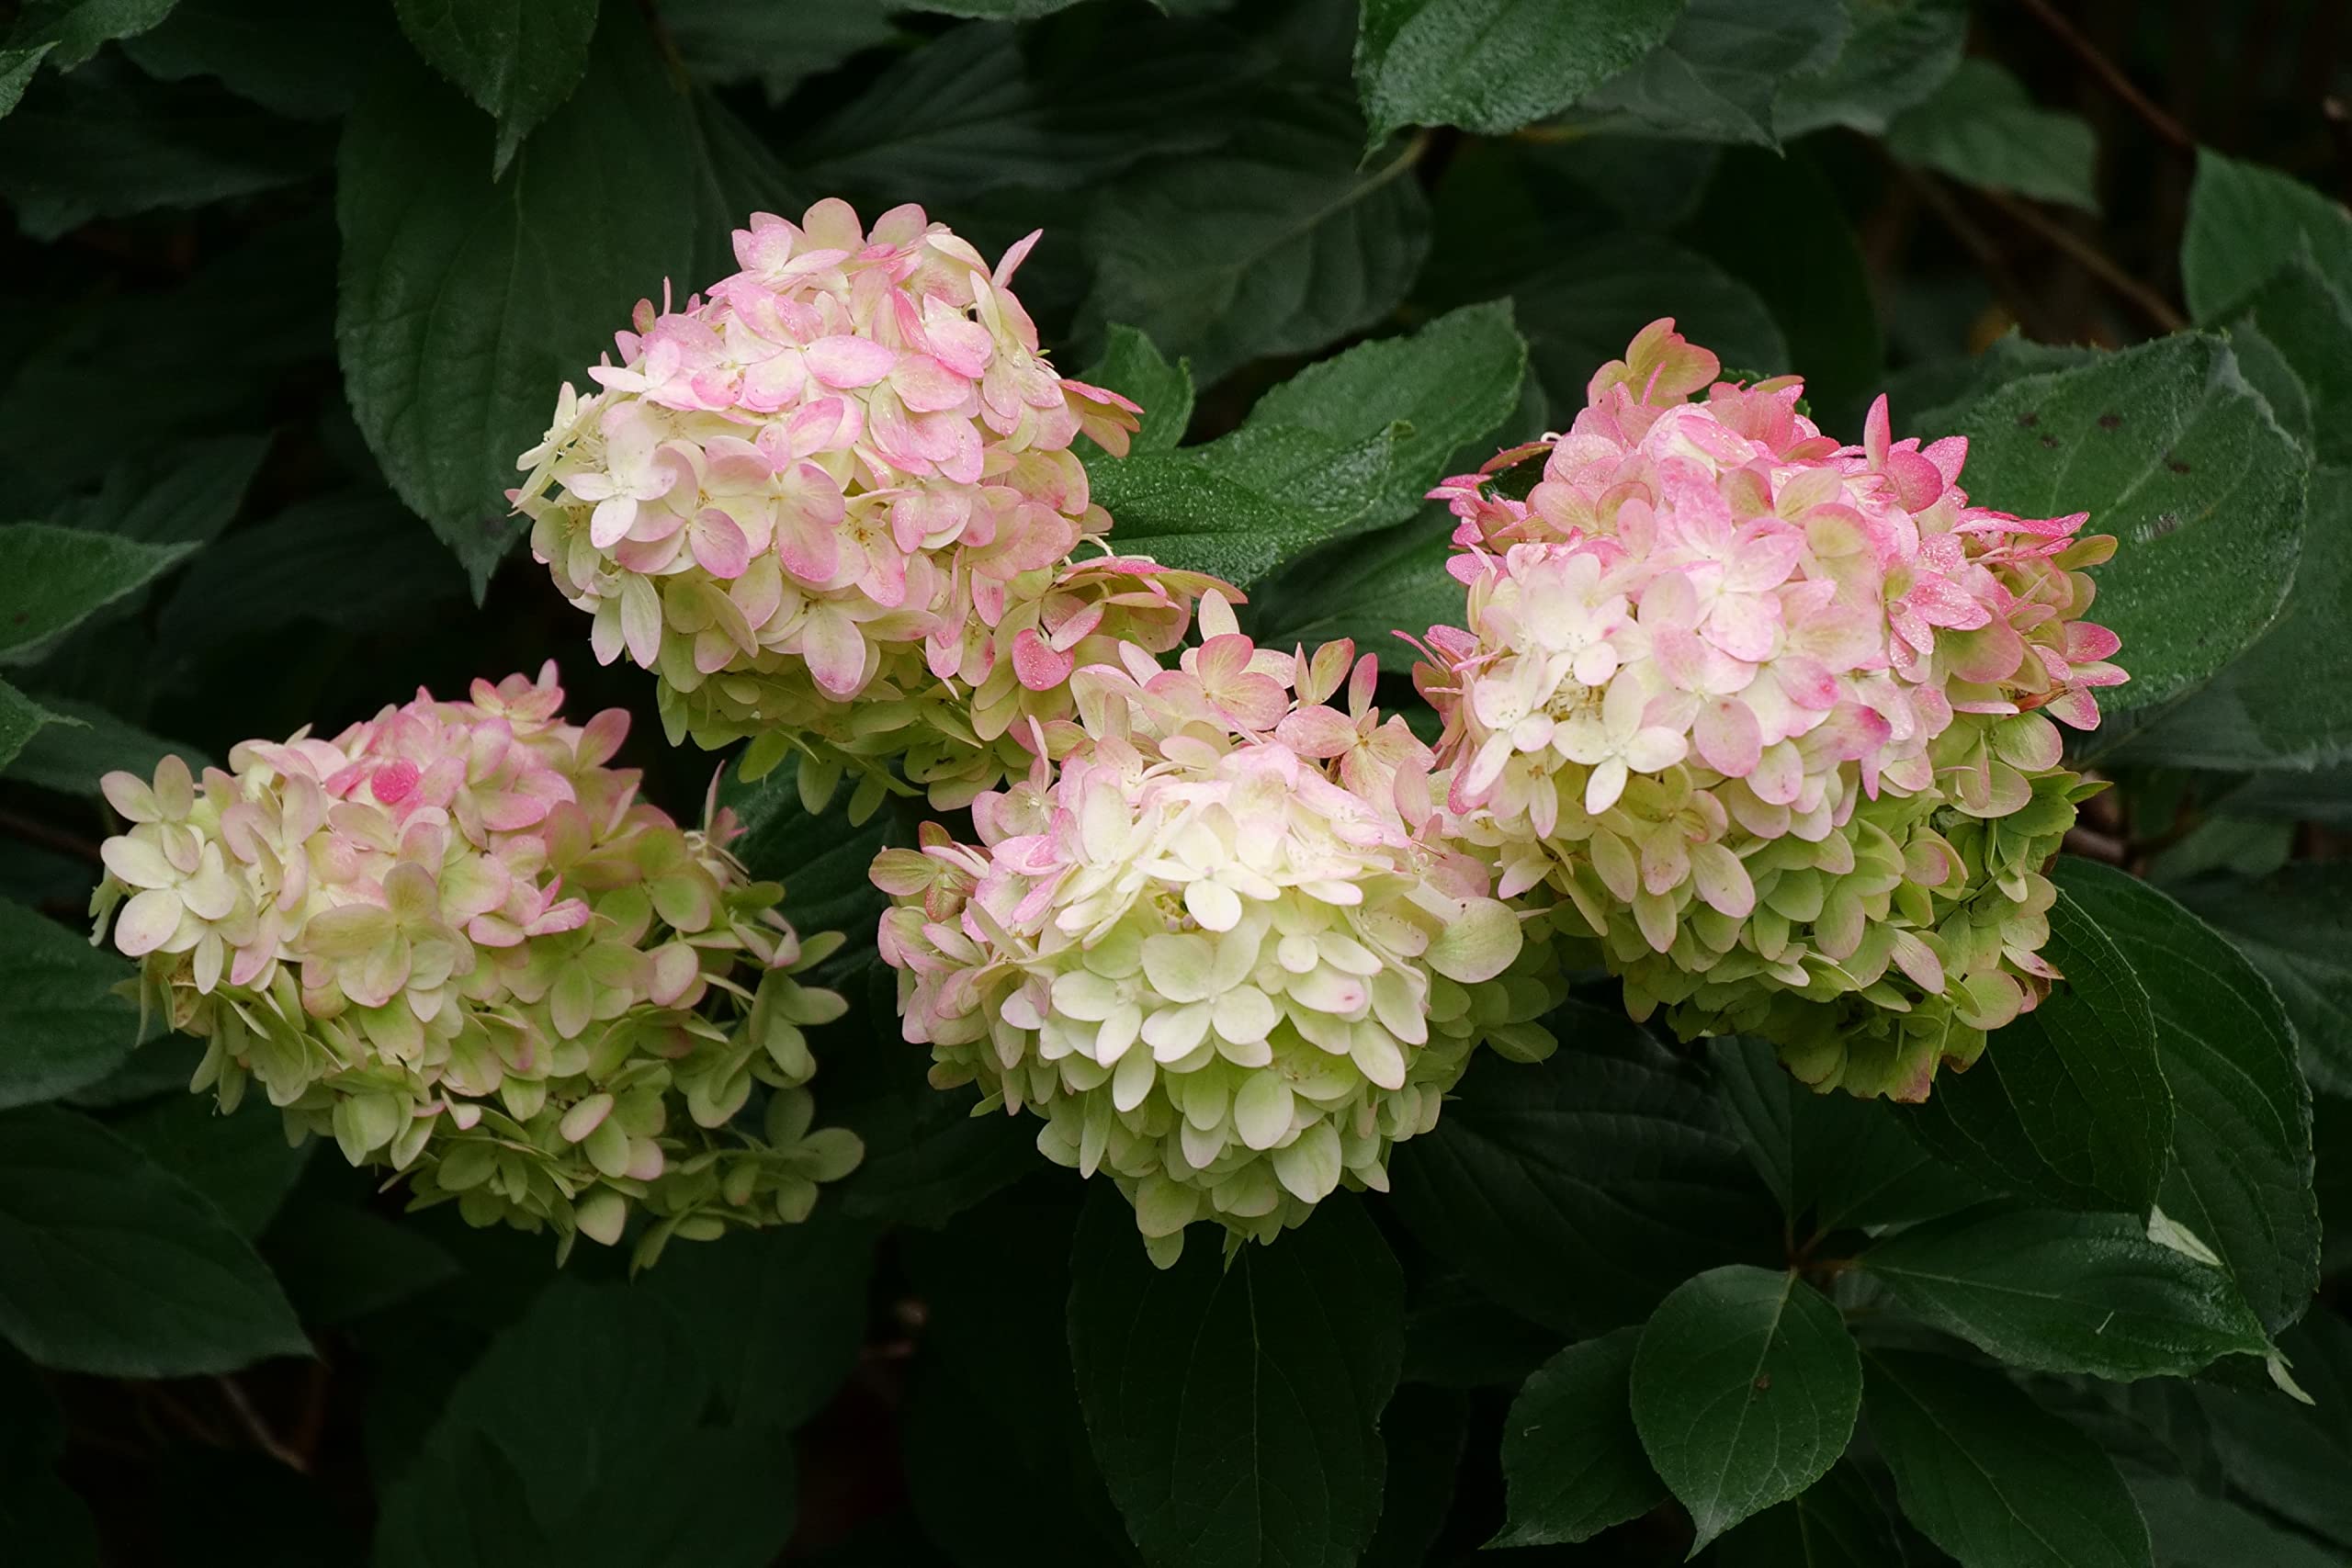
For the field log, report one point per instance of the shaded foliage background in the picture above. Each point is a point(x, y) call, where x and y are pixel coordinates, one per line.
point(288, 285)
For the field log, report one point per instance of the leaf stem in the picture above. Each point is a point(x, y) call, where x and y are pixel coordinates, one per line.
point(2092, 260)
point(2106, 71)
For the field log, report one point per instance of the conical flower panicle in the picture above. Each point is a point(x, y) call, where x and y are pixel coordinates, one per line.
point(454, 942)
point(1773, 716)
point(833, 504)
point(1220, 949)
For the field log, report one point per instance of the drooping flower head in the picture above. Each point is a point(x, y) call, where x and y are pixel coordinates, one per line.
point(456, 941)
point(823, 500)
point(1774, 714)
point(1220, 948)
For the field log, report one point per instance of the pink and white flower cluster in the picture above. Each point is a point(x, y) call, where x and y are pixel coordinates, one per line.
point(455, 941)
point(1222, 948)
point(833, 504)
point(1700, 653)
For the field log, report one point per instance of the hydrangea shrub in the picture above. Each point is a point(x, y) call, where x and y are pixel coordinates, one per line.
point(1657, 996)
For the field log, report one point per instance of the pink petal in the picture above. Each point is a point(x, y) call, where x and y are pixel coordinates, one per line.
point(719, 543)
point(926, 385)
point(1037, 665)
point(147, 922)
point(1729, 738)
point(834, 651)
point(846, 361)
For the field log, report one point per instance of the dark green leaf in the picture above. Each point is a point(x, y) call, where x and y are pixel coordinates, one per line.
point(1133, 366)
point(1581, 311)
point(1572, 1458)
point(821, 860)
point(293, 56)
point(339, 1262)
point(2268, 371)
point(1455, 1337)
point(1992, 1478)
point(1239, 506)
point(2068, 1103)
point(2169, 449)
point(16, 68)
point(51, 578)
point(1345, 446)
point(927, 1157)
point(1580, 1189)
point(1745, 1389)
point(519, 59)
point(241, 1162)
point(579, 1439)
point(2295, 927)
point(1280, 244)
point(1718, 73)
point(1838, 1522)
point(1452, 383)
point(78, 27)
point(2241, 1172)
point(972, 112)
point(779, 1314)
point(109, 1265)
point(173, 494)
point(1936, 397)
point(2249, 846)
point(1820, 292)
point(461, 315)
point(162, 1065)
point(1494, 65)
point(2193, 1529)
point(1367, 587)
point(1896, 54)
point(1980, 127)
point(995, 1415)
point(62, 1025)
point(1832, 1160)
point(1423, 1428)
point(151, 361)
point(2066, 1293)
point(2287, 701)
point(22, 720)
point(2245, 222)
point(109, 142)
point(2309, 322)
point(2290, 1457)
point(1235, 1410)
point(778, 46)
point(385, 562)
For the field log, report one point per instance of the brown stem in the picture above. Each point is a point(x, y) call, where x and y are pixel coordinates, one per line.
point(2092, 844)
point(2095, 261)
point(2013, 293)
point(34, 831)
point(256, 1429)
point(2106, 71)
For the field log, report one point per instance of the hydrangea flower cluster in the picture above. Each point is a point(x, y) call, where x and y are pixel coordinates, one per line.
point(1773, 715)
point(832, 503)
point(1222, 948)
point(453, 940)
